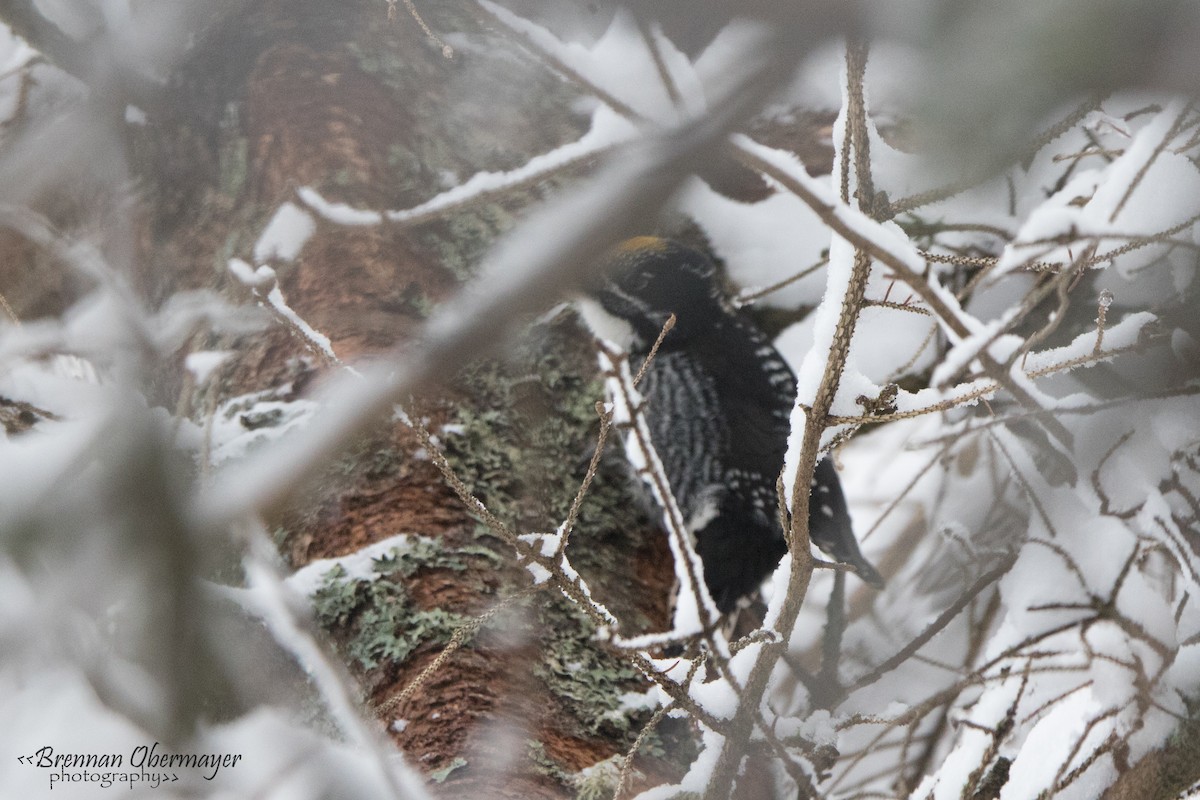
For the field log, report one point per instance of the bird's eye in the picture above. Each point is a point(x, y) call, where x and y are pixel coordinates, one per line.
point(638, 281)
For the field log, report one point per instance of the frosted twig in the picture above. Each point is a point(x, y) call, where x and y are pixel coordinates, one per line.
point(939, 623)
point(907, 366)
point(998, 734)
point(977, 640)
point(566, 580)
point(570, 583)
point(1060, 283)
point(914, 714)
point(447, 50)
point(1179, 549)
point(749, 296)
point(1067, 559)
point(1106, 298)
point(828, 678)
point(593, 465)
point(627, 761)
point(1062, 779)
point(264, 283)
point(897, 306)
point(858, 128)
point(971, 392)
point(482, 187)
point(1106, 508)
point(666, 328)
point(1041, 709)
point(904, 493)
point(462, 634)
point(668, 81)
point(1088, 152)
point(658, 716)
point(1132, 242)
point(787, 759)
point(1062, 290)
point(8, 310)
point(1019, 474)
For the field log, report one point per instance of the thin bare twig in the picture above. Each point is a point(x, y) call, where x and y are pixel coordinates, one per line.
point(932, 629)
point(748, 297)
point(461, 635)
point(666, 328)
point(1166, 140)
point(447, 50)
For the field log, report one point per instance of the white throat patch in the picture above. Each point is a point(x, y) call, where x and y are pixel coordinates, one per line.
point(603, 324)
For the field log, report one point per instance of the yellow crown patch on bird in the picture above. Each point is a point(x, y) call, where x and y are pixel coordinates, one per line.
point(639, 244)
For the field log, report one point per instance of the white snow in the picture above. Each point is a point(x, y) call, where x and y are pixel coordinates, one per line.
point(359, 565)
point(269, 419)
point(341, 213)
point(202, 363)
point(1121, 335)
point(265, 277)
point(253, 278)
point(621, 64)
point(320, 340)
point(1141, 193)
point(762, 243)
point(288, 231)
point(608, 129)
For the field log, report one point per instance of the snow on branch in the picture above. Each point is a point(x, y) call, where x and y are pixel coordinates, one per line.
point(607, 132)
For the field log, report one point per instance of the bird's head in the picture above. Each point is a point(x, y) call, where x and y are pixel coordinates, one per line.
point(649, 279)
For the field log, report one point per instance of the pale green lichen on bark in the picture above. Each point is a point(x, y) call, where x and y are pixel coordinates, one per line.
point(374, 620)
point(589, 681)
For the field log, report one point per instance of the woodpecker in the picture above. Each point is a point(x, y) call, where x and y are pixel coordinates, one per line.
point(719, 399)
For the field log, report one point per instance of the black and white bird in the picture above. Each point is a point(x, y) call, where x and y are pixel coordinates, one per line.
point(719, 399)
